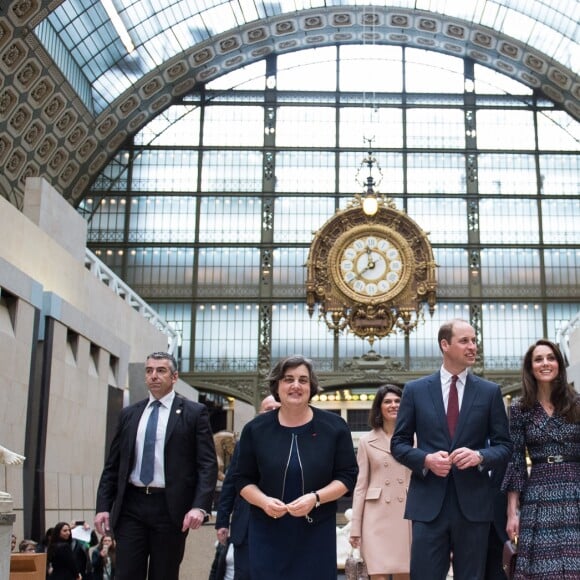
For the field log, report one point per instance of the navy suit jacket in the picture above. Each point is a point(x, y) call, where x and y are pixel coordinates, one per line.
point(326, 454)
point(482, 426)
point(190, 460)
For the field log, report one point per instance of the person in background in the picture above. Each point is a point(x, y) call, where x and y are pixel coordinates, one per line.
point(27, 547)
point(159, 479)
point(222, 567)
point(294, 464)
point(497, 534)
point(12, 543)
point(103, 558)
point(234, 512)
point(380, 494)
point(452, 428)
point(61, 562)
point(80, 550)
point(543, 509)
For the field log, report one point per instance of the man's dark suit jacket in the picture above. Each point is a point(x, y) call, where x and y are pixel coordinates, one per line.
point(190, 461)
point(482, 426)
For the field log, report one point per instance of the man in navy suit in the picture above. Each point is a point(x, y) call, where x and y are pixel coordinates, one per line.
point(450, 499)
point(151, 519)
point(234, 505)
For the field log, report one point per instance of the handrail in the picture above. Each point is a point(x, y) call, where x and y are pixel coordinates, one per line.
point(121, 289)
point(564, 336)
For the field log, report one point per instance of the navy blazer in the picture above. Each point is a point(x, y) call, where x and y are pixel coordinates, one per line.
point(231, 503)
point(190, 460)
point(482, 426)
point(326, 454)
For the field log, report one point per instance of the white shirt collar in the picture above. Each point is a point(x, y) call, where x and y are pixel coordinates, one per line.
point(166, 401)
point(446, 376)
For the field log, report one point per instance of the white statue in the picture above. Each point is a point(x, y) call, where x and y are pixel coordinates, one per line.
point(8, 457)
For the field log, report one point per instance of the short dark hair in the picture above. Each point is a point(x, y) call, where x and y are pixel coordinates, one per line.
point(164, 356)
point(375, 415)
point(446, 331)
point(291, 362)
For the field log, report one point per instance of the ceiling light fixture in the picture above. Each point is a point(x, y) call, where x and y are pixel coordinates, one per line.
point(369, 199)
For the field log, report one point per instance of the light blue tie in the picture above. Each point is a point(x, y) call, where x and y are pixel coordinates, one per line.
point(148, 459)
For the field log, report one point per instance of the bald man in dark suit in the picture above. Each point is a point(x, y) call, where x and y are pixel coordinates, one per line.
point(151, 513)
point(450, 499)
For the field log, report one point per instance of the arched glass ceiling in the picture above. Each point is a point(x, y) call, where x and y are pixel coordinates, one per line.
point(81, 37)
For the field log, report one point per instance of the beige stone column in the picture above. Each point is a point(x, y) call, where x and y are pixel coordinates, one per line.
point(6, 523)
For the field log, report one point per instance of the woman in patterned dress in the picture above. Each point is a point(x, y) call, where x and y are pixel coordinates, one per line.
point(544, 505)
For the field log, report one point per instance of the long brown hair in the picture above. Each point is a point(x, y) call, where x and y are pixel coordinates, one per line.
point(112, 548)
point(562, 395)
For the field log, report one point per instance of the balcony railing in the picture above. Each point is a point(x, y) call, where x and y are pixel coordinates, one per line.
point(110, 279)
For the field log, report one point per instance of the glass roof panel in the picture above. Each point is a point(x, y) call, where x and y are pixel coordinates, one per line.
point(162, 30)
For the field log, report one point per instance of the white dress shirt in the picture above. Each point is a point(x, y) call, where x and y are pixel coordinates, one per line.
point(159, 470)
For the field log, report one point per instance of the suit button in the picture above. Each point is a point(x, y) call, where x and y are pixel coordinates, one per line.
point(401, 499)
point(388, 500)
point(387, 482)
point(400, 480)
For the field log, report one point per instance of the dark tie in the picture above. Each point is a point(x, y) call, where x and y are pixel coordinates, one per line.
point(452, 406)
point(148, 459)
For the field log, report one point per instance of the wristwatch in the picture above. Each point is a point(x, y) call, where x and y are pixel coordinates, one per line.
point(317, 504)
point(479, 454)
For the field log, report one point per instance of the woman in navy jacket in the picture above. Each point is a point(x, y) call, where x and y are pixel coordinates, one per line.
point(294, 464)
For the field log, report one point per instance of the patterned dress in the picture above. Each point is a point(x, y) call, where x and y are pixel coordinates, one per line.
point(549, 541)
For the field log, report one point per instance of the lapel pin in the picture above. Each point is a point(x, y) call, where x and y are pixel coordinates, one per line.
point(178, 411)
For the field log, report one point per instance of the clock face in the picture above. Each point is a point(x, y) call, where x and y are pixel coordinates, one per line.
point(370, 263)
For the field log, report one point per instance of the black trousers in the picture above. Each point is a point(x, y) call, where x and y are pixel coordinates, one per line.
point(448, 536)
point(149, 545)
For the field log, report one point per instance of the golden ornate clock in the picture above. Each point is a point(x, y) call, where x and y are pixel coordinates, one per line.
point(371, 274)
point(370, 263)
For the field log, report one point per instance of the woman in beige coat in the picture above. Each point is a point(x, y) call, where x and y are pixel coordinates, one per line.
point(377, 526)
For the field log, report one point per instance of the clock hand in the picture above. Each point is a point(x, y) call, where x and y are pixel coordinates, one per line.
point(370, 265)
